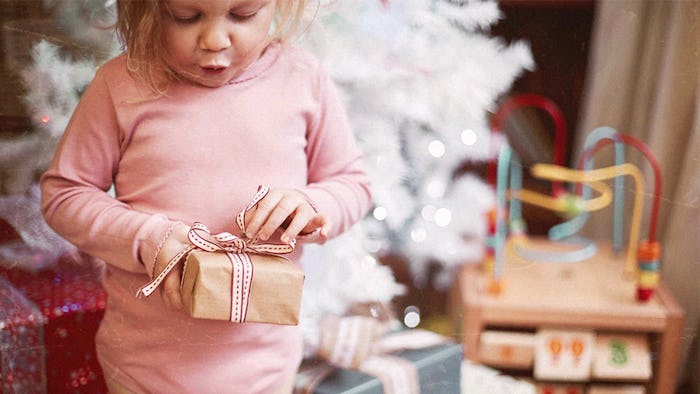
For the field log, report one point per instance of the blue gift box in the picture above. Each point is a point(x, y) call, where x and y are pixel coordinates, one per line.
point(438, 370)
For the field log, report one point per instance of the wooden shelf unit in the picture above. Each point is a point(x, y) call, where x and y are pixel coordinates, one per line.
point(594, 294)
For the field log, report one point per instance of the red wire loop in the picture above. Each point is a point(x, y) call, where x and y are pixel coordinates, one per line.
point(532, 100)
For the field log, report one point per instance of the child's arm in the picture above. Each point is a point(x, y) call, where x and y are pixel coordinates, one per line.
point(337, 193)
point(75, 202)
point(337, 183)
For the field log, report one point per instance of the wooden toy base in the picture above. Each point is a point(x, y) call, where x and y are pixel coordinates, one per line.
point(594, 294)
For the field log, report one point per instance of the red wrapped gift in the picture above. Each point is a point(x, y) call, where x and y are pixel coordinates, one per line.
point(70, 301)
point(22, 359)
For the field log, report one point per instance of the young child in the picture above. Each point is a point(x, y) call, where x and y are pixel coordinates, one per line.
point(207, 103)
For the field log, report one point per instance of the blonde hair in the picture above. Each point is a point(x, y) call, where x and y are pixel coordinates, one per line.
point(139, 27)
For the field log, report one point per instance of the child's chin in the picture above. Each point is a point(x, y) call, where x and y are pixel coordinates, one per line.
point(215, 77)
point(209, 82)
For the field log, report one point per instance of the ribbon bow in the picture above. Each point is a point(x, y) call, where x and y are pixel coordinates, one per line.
point(201, 238)
point(361, 343)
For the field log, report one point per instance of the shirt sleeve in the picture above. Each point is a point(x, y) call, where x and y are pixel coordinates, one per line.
point(75, 201)
point(337, 183)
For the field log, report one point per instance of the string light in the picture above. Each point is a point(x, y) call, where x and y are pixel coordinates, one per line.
point(368, 262)
point(436, 148)
point(443, 217)
point(468, 137)
point(419, 234)
point(411, 316)
point(373, 245)
point(380, 213)
point(428, 213)
point(435, 188)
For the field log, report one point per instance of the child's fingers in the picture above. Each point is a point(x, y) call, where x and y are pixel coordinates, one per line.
point(304, 220)
point(170, 291)
point(325, 228)
point(285, 208)
point(318, 222)
point(274, 211)
point(259, 215)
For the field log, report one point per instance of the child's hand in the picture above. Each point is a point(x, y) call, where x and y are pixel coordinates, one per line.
point(287, 209)
point(170, 287)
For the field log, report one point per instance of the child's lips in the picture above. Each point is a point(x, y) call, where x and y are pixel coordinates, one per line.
point(213, 68)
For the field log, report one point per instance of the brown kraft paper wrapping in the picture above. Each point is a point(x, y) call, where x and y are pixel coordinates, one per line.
point(275, 292)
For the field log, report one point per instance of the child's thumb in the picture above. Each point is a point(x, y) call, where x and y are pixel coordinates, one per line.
point(171, 292)
point(325, 227)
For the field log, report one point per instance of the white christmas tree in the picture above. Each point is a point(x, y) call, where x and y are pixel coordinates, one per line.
point(419, 79)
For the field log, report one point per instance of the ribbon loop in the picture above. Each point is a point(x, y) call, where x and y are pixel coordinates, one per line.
point(200, 236)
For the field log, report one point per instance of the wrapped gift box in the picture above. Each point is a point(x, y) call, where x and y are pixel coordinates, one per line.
point(22, 356)
point(438, 370)
point(244, 287)
point(70, 302)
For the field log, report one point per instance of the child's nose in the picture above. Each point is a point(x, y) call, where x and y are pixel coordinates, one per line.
point(215, 38)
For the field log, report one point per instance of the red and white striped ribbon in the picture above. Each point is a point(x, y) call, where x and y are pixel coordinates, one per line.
point(398, 376)
point(241, 281)
point(351, 332)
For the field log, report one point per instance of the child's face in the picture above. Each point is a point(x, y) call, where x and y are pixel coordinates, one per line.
point(210, 42)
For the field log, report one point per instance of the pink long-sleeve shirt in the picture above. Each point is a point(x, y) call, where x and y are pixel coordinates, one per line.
point(196, 154)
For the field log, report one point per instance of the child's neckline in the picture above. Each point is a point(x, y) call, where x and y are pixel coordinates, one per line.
point(268, 57)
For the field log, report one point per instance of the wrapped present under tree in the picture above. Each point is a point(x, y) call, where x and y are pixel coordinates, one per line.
point(22, 356)
point(361, 354)
point(68, 303)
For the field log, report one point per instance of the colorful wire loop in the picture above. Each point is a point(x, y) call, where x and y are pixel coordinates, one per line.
point(576, 223)
point(584, 248)
point(575, 205)
point(548, 171)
